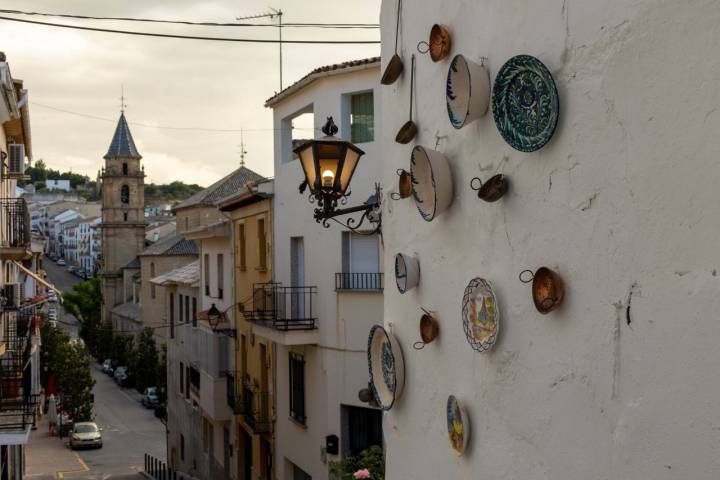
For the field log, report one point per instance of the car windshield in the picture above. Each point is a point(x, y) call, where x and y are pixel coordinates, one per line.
point(85, 428)
point(151, 391)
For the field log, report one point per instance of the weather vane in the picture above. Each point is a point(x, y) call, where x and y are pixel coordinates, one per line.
point(243, 152)
point(123, 106)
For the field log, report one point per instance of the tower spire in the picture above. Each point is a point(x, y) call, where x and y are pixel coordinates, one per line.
point(122, 99)
point(243, 152)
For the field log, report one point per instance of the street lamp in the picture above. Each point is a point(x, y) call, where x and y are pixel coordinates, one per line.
point(328, 165)
point(214, 316)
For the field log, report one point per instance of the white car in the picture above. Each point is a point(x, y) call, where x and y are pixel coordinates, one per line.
point(61, 262)
point(86, 434)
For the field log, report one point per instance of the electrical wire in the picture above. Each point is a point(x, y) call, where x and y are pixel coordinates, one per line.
point(196, 37)
point(203, 24)
point(164, 127)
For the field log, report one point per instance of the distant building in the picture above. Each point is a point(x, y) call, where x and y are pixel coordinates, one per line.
point(158, 230)
point(63, 185)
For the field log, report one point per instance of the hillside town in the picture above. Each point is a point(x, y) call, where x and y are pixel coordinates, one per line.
point(183, 299)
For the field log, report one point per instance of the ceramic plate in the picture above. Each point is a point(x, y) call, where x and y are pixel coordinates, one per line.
point(385, 366)
point(457, 425)
point(480, 314)
point(525, 103)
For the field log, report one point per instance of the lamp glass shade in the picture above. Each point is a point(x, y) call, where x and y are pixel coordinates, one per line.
point(328, 164)
point(352, 156)
point(307, 160)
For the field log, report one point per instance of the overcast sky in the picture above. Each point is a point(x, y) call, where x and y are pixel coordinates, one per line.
point(168, 82)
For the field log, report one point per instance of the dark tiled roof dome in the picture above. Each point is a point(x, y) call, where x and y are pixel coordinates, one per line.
point(224, 188)
point(122, 144)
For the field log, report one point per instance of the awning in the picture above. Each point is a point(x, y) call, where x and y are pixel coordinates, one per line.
point(39, 279)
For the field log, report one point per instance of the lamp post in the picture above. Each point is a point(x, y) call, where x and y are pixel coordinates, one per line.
point(329, 164)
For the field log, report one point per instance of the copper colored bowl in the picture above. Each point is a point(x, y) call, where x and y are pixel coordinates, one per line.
point(548, 290)
point(440, 42)
point(492, 190)
point(393, 70)
point(404, 183)
point(429, 330)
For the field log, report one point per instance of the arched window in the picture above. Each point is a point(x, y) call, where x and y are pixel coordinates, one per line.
point(125, 194)
point(125, 216)
point(125, 169)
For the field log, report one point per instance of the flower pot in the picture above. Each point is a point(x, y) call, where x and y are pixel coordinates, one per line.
point(385, 366)
point(467, 91)
point(407, 272)
point(432, 182)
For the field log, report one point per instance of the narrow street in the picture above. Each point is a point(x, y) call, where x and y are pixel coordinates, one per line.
point(129, 429)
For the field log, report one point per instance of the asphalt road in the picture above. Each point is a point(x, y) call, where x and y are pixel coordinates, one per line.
point(129, 430)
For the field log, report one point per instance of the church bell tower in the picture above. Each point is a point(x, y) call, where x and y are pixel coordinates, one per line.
point(123, 214)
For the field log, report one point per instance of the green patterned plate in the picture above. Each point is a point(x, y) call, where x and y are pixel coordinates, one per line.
point(525, 103)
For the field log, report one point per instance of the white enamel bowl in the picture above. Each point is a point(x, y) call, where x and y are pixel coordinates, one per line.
point(432, 182)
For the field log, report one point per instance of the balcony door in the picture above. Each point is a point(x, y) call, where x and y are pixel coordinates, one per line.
point(360, 257)
point(297, 277)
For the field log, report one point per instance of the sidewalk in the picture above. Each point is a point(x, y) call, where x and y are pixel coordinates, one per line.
point(48, 457)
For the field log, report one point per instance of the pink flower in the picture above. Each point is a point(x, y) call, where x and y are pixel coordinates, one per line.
point(364, 473)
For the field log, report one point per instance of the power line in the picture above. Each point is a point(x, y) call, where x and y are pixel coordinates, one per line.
point(203, 24)
point(195, 37)
point(163, 127)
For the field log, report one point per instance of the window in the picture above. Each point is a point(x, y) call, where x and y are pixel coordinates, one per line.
point(194, 312)
point(182, 447)
point(362, 118)
point(220, 272)
point(360, 262)
point(362, 428)
point(180, 309)
point(172, 315)
point(125, 194)
point(206, 269)
point(262, 243)
point(297, 387)
point(152, 285)
point(125, 169)
point(241, 246)
point(182, 378)
point(125, 217)
point(187, 309)
point(187, 382)
point(194, 378)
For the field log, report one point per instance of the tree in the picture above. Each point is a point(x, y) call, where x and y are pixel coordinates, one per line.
point(145, 361)
point(84, 302)
point(75, 381)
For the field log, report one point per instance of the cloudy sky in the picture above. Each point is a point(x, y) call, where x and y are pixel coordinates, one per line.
point(168, 82)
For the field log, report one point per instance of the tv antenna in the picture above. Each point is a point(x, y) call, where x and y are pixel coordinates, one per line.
point(243, 152)
point(123, 106)
point(273, 14)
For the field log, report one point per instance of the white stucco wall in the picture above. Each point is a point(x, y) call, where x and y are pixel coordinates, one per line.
point(334, 369)
point(620, 203)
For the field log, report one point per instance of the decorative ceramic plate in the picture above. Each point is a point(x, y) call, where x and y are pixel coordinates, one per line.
point(385, 366)
point(457, 425)
point(525, 103)
point(480, 314)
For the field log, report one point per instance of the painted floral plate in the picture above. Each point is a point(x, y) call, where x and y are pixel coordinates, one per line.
point(480, 314)
point(458, 426)
point(525, 103)
point(385, 366)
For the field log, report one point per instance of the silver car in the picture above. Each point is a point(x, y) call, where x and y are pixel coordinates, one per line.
point(86, 434)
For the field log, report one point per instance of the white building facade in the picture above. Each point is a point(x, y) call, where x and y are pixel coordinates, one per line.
point(615, 383)
point(329, 281)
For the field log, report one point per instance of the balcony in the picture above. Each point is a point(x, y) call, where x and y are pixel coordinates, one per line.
point(284, 315)
point(256, 409)
point(15, 236)
point(359, 282)
point(234, 391)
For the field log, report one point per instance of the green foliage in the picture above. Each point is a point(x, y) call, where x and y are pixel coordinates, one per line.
point(122, 349)
point(161, 375)
point(39, 173)
point(70, 363)
point(171, 191)
point(371, 458)
point(144, 362)
point(84, 302)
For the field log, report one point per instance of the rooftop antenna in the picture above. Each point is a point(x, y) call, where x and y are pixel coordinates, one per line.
point(243, 152)
point(273, 14)
point(123, 106)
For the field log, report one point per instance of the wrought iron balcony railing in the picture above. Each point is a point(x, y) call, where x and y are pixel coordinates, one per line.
point(234, 391)
point(15, 223)
point(283, 308)
point(364, 282)
point(17, 404)
point(256, 409)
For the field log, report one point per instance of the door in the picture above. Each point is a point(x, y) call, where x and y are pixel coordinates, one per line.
point(297, 277)
point(247, 456)
point(226, 453)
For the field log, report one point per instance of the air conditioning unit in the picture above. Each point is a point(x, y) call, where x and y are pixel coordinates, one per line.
point(16, 159)
point(12, 295)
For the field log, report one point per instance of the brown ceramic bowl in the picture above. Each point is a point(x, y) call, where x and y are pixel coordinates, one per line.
point(404, 184)
point(548, 290)
point(440, 42)
point(494, 189)
point(429, 328)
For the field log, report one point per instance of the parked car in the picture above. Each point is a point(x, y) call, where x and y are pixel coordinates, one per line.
point(61, 262)
point(150, 397)
point(80, 272)
point(120, 374)
point(71, 268)
point(86, 434)
point(107, 366)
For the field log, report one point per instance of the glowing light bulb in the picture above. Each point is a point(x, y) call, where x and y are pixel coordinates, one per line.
point(328, 178)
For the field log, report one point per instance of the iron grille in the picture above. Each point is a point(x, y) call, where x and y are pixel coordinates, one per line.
point(283, 308)
point(234, 391)
point(256, 409)
point(15, 217)
point(367, 282)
